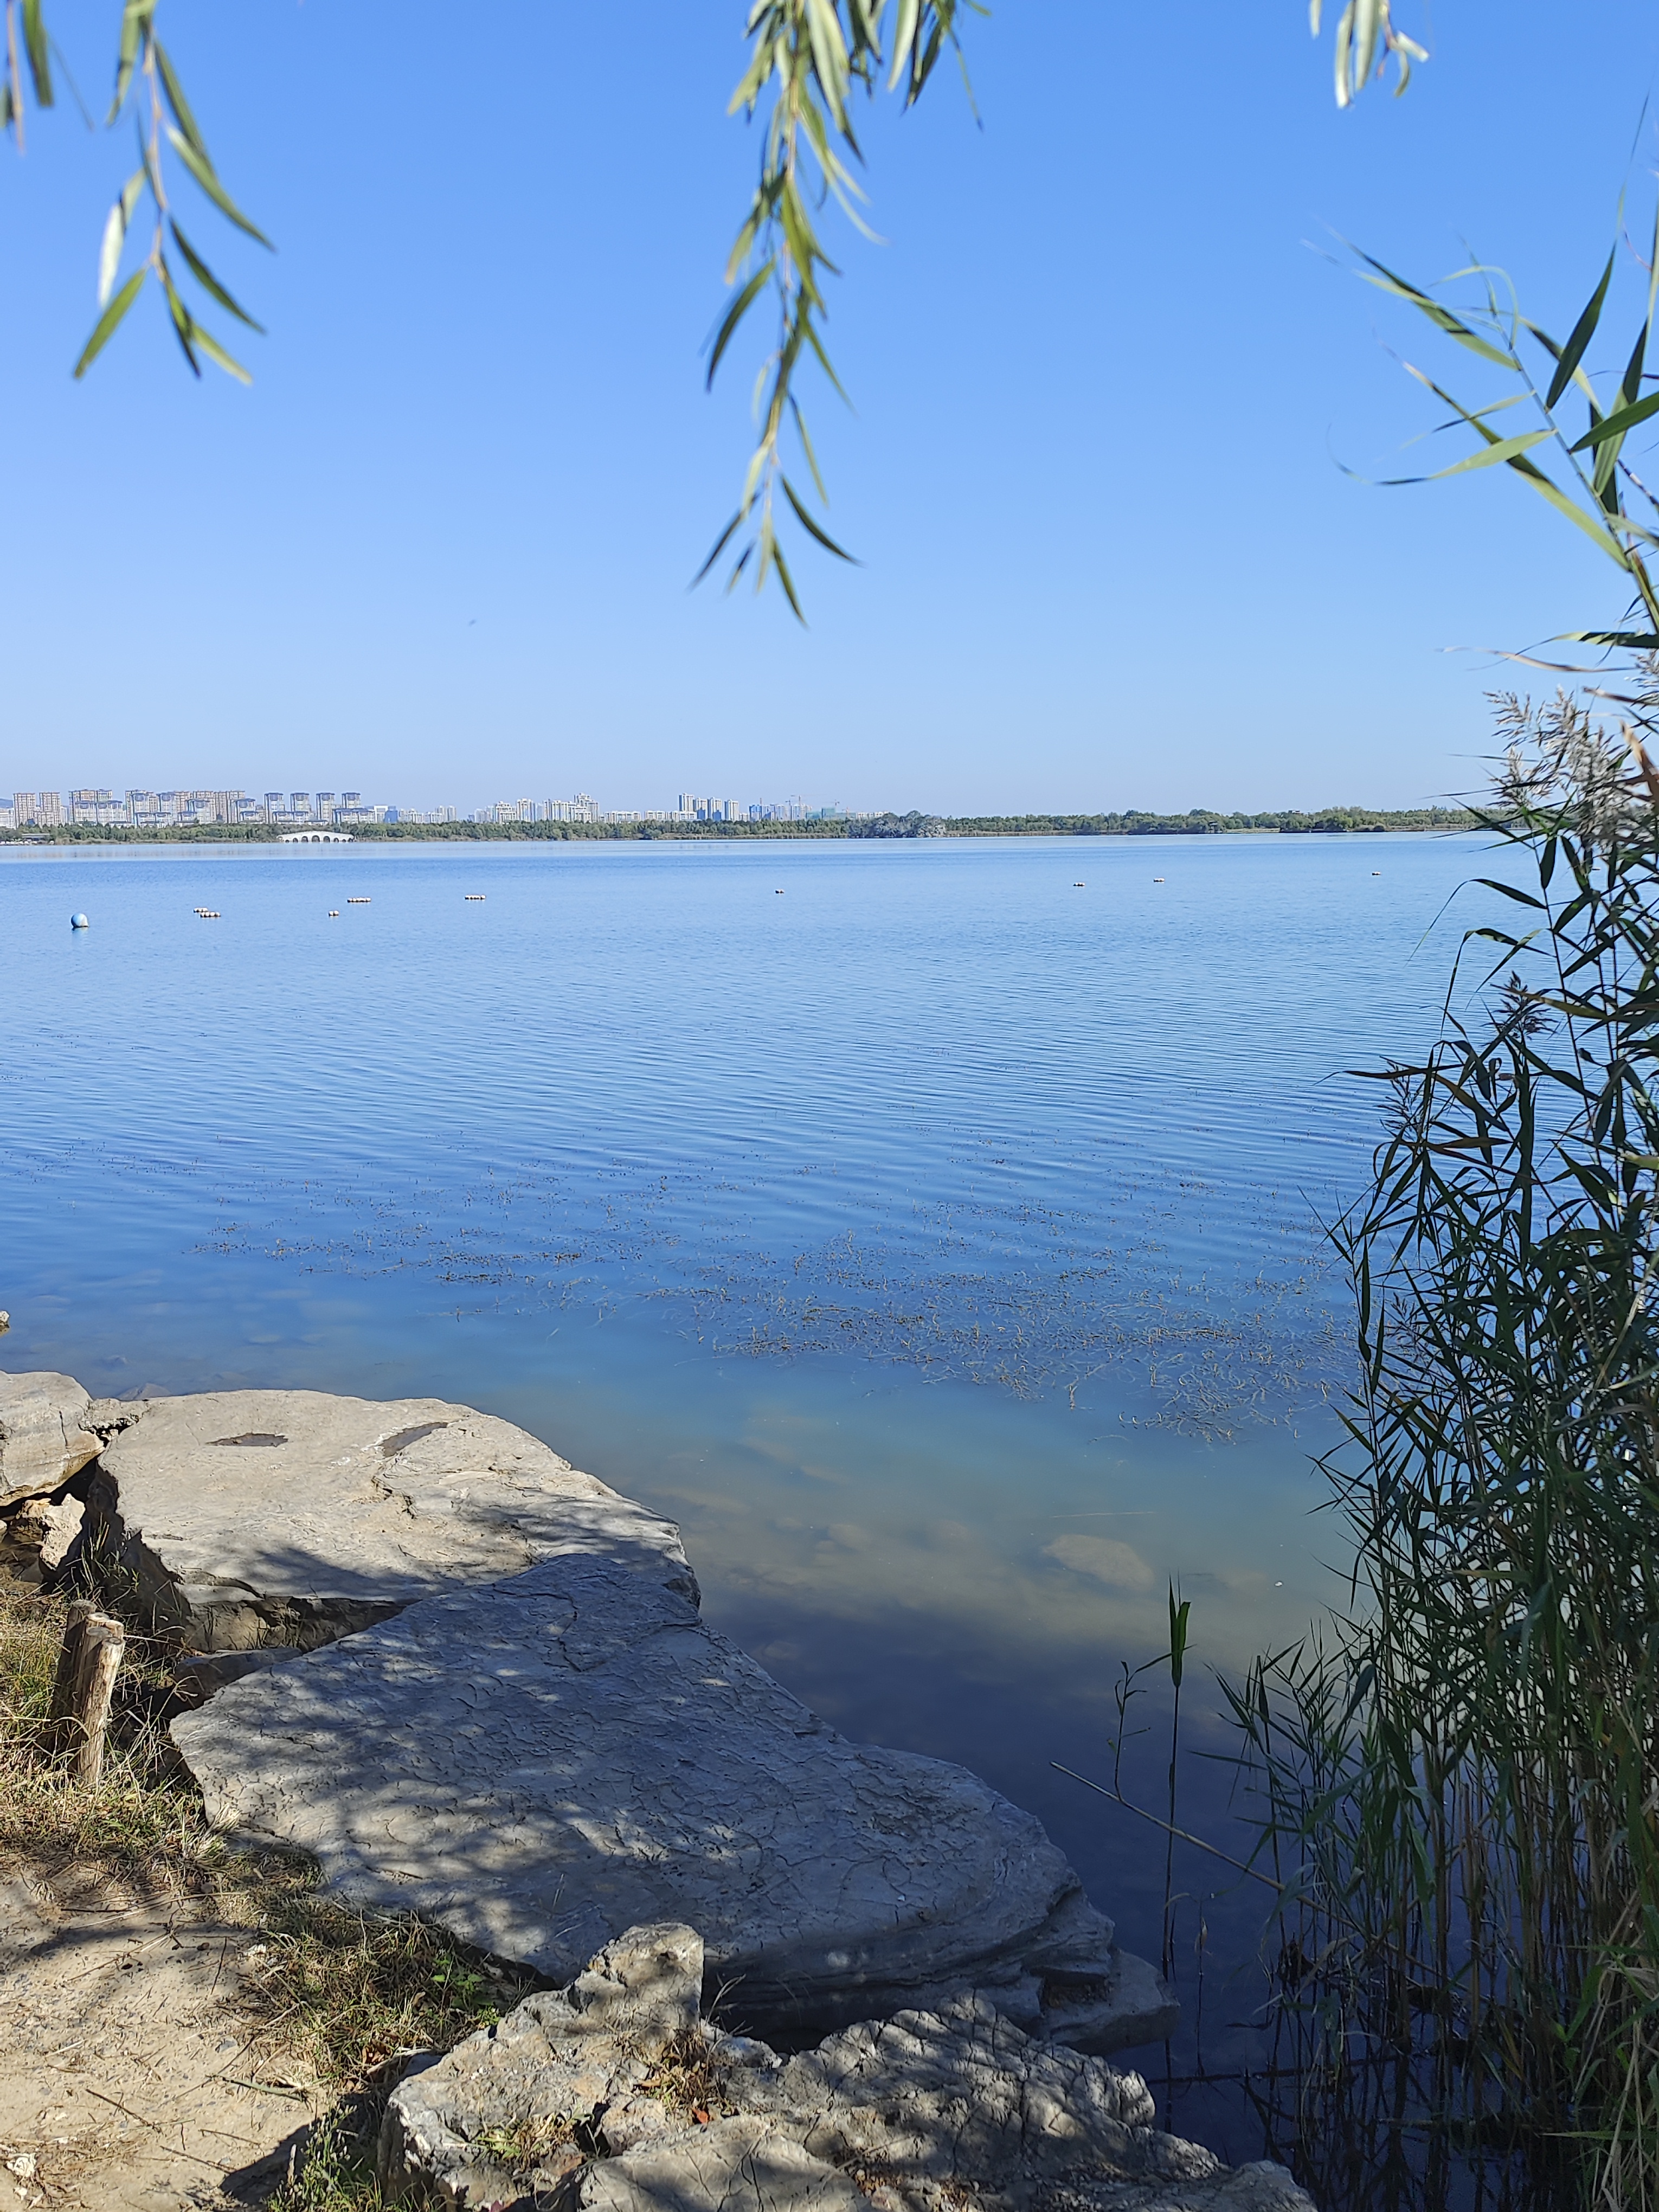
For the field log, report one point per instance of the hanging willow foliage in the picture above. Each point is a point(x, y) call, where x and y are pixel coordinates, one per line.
point(809, 60)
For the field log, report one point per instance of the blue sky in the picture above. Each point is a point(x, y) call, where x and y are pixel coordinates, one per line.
point(439, 550)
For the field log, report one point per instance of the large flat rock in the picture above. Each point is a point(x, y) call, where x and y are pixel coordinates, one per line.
point(613, 2095)
point(248, 1518)
point(46, 1436)
point(542, 1762)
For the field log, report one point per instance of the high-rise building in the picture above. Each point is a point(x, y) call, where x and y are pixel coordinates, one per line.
point(100, 807)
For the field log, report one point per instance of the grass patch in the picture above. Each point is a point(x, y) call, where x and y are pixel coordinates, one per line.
point(354, 1992)
point(337, 2173)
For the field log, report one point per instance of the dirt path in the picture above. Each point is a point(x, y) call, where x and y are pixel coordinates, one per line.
point(128, 2078)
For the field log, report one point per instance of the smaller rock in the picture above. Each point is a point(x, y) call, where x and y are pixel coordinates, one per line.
point(519, 2102)
point(60, 1543)
point(43, 1441)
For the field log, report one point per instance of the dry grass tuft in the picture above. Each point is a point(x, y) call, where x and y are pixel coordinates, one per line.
point(684, 2079)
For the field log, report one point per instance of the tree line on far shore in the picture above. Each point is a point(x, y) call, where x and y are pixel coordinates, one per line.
point(1199, 822)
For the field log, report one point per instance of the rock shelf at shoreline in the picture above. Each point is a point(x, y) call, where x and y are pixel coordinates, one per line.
point(479, 1688)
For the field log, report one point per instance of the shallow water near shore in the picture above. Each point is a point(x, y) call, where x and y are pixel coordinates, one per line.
point(933, 1228)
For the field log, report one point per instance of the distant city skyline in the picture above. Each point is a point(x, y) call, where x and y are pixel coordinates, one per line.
point(141, 807)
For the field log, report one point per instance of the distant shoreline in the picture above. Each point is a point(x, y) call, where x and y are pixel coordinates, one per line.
point(1330, 822)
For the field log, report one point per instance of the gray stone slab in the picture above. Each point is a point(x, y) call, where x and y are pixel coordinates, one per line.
point(45, 1436)
point(254, 1517)
point(539, 1764)
point(571, 2102)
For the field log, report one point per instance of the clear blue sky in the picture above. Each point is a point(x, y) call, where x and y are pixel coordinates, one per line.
point(439, 550)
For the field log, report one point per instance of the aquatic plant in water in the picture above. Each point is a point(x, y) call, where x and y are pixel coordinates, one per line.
point(1458, 1779)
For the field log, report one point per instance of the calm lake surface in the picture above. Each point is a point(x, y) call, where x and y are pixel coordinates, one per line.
point(932, 1228)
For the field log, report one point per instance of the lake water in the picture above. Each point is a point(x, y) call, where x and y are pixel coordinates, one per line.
point(932, 1228)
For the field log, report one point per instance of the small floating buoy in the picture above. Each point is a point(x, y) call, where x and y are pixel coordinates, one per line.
point(477, 896)
point(79, 921)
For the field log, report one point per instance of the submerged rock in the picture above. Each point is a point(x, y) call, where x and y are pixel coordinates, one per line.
point(254, 1517)
point(587, 2097)
point(540, 1764)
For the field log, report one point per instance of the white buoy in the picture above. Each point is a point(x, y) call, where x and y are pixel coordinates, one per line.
point(79, 921)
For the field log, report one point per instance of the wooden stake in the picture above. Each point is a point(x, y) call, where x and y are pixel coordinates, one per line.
point(103, 1645)
point(87, 1664)
point(62, 1687)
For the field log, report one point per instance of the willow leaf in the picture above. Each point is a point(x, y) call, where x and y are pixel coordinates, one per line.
point(203, 171)
point(215, 352)
point(208, 283)
point(734, 314)
point(115, 232)
point(176, 100)
point(36, 45)
point(134, 29)
point(813, 528)
point(104, 329)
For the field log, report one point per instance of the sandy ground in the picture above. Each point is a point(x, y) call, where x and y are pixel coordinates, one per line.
point(128, 2080)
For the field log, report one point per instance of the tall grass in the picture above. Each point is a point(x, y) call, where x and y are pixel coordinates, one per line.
point(1460, 1775)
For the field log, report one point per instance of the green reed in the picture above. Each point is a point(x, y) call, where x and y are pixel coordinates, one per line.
point(1458, 1778)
